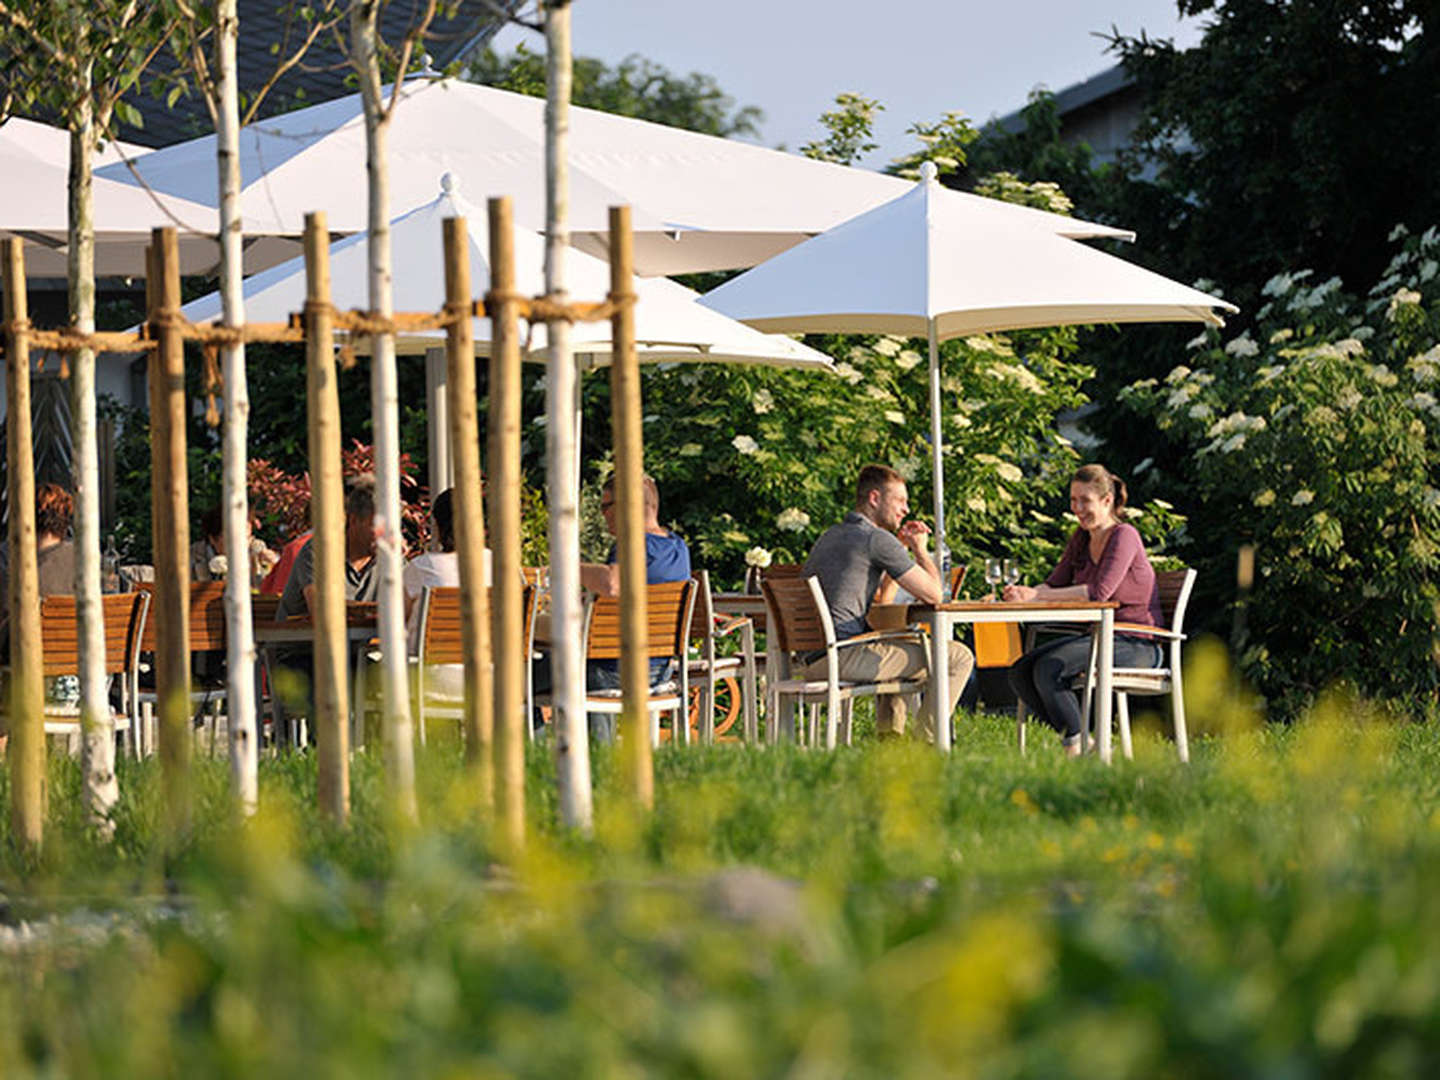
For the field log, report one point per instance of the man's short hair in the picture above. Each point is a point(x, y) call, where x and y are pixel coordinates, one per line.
point(875, 478)
point(360, 500)
point(647, 485)
point(54, 509)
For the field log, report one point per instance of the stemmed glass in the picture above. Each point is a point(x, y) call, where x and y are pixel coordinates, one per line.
point(994, 574)
point(1012, 571)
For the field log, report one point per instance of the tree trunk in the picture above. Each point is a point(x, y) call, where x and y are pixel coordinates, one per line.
point(385, 420)
point(572, 740)
point(239, 629)
point(97, 753)
point(27, 661)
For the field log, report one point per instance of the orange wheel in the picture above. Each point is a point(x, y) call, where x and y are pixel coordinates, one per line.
point(727, 710)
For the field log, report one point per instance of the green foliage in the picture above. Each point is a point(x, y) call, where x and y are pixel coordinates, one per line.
point(849, 128)
point(880, 911)
point(1290, 136)
point(636, 87)
point(1316, 438)
point(944, 141)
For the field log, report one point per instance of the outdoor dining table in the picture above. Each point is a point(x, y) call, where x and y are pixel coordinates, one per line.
point(941, 618)
point(360, 628)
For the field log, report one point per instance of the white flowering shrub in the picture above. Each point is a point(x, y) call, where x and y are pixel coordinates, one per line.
point(1316, 436)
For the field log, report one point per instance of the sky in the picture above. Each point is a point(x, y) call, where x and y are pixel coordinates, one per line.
point(919, 58)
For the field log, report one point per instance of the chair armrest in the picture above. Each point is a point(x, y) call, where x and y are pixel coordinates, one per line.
point(728, 624)
point(1152, 631)
point(871, 636)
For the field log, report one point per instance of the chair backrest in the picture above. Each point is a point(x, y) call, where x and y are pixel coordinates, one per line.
point(795, 607)
point(532, 574)
point(702, 623)
point(263, 607)
point(441, 641)
point(59, 631)
point(668, 607)
point(1174, 587)
point(782, 571)
point(207, 616)
point(957, 578)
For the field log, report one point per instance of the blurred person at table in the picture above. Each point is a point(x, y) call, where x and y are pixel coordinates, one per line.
point(437, 568)
point(274, 582)
point(1104, 560)
point(862, 561)
point(362, 578)
point(208, 560)
point(55, 563)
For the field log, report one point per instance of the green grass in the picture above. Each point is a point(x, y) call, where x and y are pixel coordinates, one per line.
point(1265, 911)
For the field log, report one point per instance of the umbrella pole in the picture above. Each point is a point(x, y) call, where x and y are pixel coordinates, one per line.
point(937, 460)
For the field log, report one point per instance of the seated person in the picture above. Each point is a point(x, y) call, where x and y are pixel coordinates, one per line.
point(437, 568)
point(667, 559)
point(362, 579)
point(1104, 560)
point(861, 561)
point(208, 555)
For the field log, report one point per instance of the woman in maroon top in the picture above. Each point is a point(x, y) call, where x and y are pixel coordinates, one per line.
point(1104, 560)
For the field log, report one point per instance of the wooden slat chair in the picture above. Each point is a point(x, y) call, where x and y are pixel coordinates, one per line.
point(124, 615)
point(669, 609)
point(1174, 587)
point(441, 643)
point(957, 579)
point(709, 667)
point(800, 616)
point(207, 634)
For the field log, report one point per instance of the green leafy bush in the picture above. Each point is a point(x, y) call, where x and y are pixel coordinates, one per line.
point(1315, 437)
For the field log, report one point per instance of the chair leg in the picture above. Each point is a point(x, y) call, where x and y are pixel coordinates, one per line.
point(654, 729)
point(1122, 714)
point(1020, 726)
point(1177, 711)
point(832, 717)
point(847, 721)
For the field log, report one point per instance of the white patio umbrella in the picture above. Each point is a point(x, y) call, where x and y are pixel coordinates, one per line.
point(699, 202)
point(669, 324)
point(34, 160)
point(924, 265)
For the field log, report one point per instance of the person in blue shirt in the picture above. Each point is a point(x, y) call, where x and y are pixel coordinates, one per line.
point(666, 559)
point(666, 556)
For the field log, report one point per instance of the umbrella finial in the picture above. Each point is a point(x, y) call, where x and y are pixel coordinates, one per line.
point(449, 184)
point(929, 172)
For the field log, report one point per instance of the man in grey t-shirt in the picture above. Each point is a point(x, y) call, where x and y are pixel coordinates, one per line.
point(869, 553)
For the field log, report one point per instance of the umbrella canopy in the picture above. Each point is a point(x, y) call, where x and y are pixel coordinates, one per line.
point(923, 264)
point(699, 202)
point(669, 324)
point(34, 159)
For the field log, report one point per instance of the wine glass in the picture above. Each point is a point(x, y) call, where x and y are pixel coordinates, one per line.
point(1012, 571)
point(994, 574)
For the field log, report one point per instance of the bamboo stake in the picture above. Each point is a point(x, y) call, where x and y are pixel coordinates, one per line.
point(630, 514)
point(567, 660)
point(469, 509)
point(239, 628)
point(327, 515)
point(170, 527)
point(27, 659)
point(504, 502)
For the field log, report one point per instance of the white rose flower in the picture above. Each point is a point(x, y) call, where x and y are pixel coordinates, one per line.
point(1264, 498)
point(1009, 473)
point(1281, 335)
point(792, 519)
point(887, 346)
point(907, 359)
point(1402, 298)
point(1235, 442)
point(763, 401)
point(1303, 497)
point(895, 416)
point(691, 449)
point(758, 557)
point(1348, 398)
point(745, 444)
point(1198, 341)
point(1177, 373)
point(850, 374)
point(1200, 411)
point(1422, 400)
point(1383, 375)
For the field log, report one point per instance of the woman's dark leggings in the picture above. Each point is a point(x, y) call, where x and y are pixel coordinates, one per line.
point(1043, 677)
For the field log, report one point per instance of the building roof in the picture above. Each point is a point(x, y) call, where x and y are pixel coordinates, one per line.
point(1113, 80)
